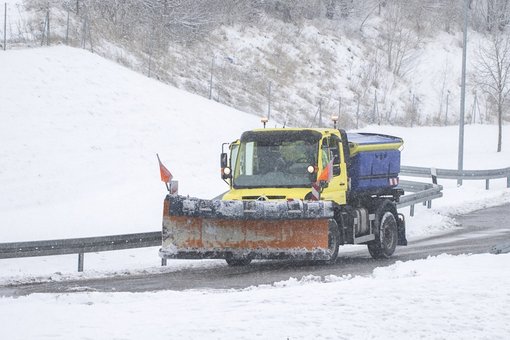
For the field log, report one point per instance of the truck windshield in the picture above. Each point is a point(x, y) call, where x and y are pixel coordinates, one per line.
point(275, 159)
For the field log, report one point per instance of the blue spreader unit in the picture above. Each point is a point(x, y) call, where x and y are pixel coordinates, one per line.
point(374, 169)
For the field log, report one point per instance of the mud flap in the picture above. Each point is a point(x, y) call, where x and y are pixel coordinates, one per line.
point(196, 228)
point(401, 230)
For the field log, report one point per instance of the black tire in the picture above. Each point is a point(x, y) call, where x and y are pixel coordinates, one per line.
point(386, 240)
point(237, 261)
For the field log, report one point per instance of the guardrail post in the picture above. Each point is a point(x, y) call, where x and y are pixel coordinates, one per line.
point(81, 258)
point(487, 184)
point(433, 173)
point(411, 213)
point(429, 204)
point(163, 262)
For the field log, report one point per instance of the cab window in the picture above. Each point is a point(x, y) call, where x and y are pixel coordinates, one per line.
point(334, 147)
point(330, 150)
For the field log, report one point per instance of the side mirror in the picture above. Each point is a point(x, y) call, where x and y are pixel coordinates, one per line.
point(225, 170)
point(223, 160)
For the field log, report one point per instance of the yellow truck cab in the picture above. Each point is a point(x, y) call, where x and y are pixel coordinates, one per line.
point(282, 164)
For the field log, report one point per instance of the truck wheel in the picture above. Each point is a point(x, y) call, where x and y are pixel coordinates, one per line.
point(384, 245)
point(237, 261)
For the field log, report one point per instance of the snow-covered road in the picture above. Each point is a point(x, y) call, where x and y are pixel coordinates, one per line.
point(478, 232)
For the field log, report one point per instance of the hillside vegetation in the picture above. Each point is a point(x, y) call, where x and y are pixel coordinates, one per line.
point(382, 62)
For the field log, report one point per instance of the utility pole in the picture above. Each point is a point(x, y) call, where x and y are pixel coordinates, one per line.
point(43, 34)
point(446, 113)
point(320, 112)
point(463, 95)
point(211, 79)
point(151, 48)
point(375, 112)
point(473, 111)
point(46, 31)
point(269, 101)
point(5, 25)
point(84, 33)
point(67, 29)
point(357, 114)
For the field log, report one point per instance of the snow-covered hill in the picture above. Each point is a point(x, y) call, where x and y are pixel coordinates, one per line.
point(297, 66)
point(79, 137)
point(315, 64)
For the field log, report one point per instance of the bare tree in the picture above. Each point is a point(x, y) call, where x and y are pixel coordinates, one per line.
point(443, 92)
point(497, 14)
point(448, 14)
point(340, 9)
point(493, 72)
point(489, 14)
point(397, 38)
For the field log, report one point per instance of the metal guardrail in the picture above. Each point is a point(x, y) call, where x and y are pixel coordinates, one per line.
point(422, 193)
point(487, 175)
point(79, 246)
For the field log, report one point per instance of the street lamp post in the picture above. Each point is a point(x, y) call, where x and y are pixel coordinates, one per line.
point(463, 94)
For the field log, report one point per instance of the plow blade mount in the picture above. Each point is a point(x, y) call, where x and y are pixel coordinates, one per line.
point(215, 229)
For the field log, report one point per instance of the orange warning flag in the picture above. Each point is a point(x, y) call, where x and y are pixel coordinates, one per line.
point(166, 176)
point(327, 172)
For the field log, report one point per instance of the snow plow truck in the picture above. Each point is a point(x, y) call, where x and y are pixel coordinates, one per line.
point(295, 193)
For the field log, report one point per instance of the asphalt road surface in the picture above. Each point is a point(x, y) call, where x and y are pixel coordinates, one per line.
point(478, 232)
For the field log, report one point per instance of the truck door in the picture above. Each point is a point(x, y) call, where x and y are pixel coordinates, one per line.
point(336, 189)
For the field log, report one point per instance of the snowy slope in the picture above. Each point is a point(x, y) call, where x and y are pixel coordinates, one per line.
point(305, 62)
point(79, 137)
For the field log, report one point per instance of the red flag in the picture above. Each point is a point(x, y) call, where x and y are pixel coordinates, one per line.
point(166, 176)
point(327, 172)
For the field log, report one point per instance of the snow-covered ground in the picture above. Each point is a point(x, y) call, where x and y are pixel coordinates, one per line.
point(78, 138)
point(445, 297)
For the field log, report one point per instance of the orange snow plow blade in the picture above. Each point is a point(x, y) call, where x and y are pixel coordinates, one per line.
point(205, 229)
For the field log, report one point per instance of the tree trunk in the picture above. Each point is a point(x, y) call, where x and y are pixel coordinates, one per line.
point(330, 10)
point(490, 14)
point(500, 125)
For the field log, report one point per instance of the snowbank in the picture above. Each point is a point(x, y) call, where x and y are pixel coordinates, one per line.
point(444, 297)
